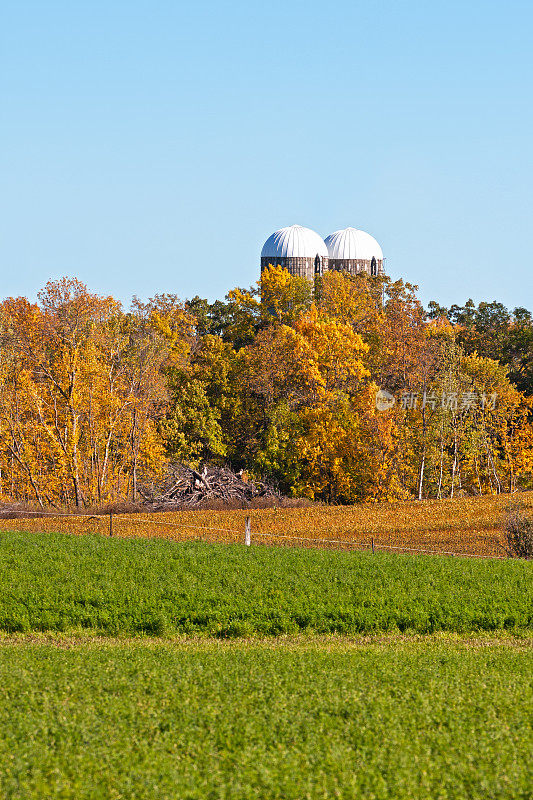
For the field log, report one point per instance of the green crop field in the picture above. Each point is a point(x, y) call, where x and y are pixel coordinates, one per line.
point(56, 582)
point(154, 720)
point(117, 679)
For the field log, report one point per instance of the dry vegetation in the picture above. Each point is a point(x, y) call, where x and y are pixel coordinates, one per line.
point(471, 526)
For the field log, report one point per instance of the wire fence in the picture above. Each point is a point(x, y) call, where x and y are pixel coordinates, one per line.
point(251, 533)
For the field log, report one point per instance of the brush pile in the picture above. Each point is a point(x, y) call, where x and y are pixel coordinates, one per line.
point(184, 487)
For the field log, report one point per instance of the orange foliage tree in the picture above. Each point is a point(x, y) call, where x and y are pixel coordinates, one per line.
point(279, 380)
point(80, 383)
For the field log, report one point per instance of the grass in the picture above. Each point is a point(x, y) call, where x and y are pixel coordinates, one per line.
point(296, 708)
point(433, 720)
point(470, 525)
point(53, 582)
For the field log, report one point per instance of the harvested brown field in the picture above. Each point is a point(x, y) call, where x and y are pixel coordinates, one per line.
point(461, 526)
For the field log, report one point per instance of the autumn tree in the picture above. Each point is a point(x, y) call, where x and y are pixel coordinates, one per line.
point(279, 379)
point(80, 386)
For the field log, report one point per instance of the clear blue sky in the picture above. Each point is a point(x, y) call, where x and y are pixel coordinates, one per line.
point(154, 146)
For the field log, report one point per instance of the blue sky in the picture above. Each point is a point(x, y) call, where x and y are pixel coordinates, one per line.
point(154, 146)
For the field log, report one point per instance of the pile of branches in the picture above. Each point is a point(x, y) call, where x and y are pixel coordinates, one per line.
point(184, 487)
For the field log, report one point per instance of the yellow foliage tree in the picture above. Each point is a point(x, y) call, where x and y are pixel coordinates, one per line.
point(80, 384)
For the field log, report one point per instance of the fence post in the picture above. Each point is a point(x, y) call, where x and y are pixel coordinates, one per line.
point(248, 532)
point(373, 545)
point(111, 523)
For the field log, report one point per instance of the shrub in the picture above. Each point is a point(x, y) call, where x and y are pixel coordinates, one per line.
point(518, 534)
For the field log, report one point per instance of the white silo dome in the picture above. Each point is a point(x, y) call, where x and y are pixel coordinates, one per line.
point(294, 241)
point(352, 244)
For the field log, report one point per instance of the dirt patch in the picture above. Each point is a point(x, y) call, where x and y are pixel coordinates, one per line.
point(301, 642)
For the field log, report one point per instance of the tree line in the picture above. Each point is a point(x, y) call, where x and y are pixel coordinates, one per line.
point(344, 391)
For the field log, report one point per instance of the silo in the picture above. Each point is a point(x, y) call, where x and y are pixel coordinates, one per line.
point(299, 250)
point(354, 251)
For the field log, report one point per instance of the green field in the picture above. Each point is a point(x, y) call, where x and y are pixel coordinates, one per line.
point(301, 707)
point(401, 719)
point(56, 582)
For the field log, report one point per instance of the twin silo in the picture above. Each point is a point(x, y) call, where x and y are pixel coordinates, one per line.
point(304, 253)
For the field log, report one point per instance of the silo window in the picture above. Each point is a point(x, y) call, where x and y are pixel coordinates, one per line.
point(318, 265)
point(373, 267)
